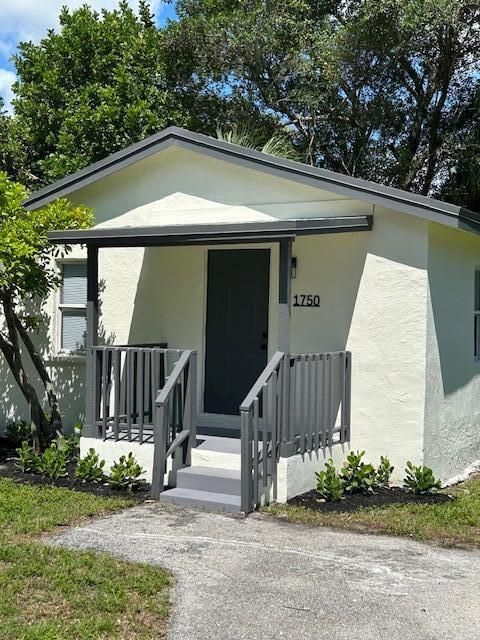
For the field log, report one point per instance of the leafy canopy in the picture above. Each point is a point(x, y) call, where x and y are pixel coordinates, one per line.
point(26, 268)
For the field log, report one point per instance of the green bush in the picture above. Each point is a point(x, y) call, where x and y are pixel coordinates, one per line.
point(53, 462)
point(329, 484)
point(420, 480)
point(357, 476)
point(384, 471)
point(27, 458)
point(90, 468)
point(70, 445)
point(18, 432)
point(125, 474)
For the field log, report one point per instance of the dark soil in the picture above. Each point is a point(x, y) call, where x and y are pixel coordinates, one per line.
point(10, 469)
point(381, 498)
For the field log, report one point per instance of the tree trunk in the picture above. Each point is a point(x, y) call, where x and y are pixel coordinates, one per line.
point(55, 417)
point(10, 348)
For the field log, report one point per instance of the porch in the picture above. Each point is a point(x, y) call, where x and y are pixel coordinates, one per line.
point(152, 398)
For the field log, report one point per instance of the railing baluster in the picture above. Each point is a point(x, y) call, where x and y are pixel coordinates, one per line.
point(116, 391)
point(274, 435)
point(256, 415)
point(246, 496)
point(140, 393)
point(330, 400)
point(302, 404)
point(347, 396)
point(129, 392)
point(316, 423)
point(104, 402)
point(293, 404)
point(310, 400)
point(265, 436)
point(324, 401)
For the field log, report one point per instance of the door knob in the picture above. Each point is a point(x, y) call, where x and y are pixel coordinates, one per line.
point(265, 335)
point(263, 347)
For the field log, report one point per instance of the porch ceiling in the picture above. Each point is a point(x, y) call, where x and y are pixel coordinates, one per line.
point(211, 233)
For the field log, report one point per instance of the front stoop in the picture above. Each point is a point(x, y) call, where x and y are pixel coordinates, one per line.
point(205, 485)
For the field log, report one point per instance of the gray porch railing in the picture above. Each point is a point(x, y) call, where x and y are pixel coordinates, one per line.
point(299, 404)
point(175, 421)
point(126, 382)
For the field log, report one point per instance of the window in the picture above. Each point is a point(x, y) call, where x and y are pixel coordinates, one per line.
point(73, 307)
point(476, 315)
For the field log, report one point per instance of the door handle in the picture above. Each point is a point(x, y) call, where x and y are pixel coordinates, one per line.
point(263, 347)
point(265, 335)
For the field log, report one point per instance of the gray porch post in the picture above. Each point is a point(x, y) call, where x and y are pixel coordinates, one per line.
point(284, 294)
point(283, 340)
point(92, 370)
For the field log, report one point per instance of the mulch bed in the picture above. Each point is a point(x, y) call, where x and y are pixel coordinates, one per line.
point(381, 498)
point(9, 469)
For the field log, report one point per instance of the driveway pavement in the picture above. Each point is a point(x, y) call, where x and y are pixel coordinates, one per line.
point(258, 578)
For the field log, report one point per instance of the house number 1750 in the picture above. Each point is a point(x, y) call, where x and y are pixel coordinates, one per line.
point(306, 300)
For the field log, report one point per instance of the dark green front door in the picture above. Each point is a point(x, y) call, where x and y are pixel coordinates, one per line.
point(237, 326)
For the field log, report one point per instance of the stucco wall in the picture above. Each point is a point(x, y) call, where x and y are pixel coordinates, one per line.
point(372, 285)
point(373, 289)
point(452, 403)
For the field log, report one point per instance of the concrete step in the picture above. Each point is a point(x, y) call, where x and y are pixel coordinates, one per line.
point(210, 479)
point(223, 502)
point(216, 452)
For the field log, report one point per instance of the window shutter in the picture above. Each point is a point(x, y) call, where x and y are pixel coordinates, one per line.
point(74, 328)
point(74, 289)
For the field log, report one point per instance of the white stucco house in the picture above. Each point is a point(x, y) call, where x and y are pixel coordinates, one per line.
point(209, 264)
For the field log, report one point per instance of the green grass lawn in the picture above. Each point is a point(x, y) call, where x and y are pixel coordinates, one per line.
point(50, 593)
point(455, 523)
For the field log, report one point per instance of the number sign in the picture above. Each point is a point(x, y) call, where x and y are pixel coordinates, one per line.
point(306, 300)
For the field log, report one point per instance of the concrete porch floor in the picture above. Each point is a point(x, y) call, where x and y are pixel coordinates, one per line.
point(258, 578)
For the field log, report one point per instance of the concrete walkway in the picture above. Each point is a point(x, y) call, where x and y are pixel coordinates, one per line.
point(258, 578)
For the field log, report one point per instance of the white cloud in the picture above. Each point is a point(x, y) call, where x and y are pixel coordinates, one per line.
point(7, 78)
point(30, 19)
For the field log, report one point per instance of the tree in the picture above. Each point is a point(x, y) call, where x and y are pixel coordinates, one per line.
point(371, 88)
point(463, 183)
point(13, 151)
point(105, 81)
point(27, 273)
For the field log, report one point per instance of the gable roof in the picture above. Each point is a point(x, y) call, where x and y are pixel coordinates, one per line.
point(396, 199)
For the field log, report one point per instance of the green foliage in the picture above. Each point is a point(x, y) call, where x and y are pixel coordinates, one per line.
point(18, 432)
point(329, 483)
point(105, 80)
point(384, 471)
point(90, 468)
point(125, 473)
point(70, 445)
point(52, 463)
point(420, 480)
point(27, 460)
point(358, 476)
point(375, 88)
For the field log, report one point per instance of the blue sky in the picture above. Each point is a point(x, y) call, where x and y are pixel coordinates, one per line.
point(30, 19)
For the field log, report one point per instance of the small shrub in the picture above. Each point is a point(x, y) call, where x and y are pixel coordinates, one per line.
point(70, 446)
point(384, 471)
point(52, 463)
point(125, 474)
point(420, 480)
point(90, 468)
point(18, 432)
point(357, 476)
point(329, 484)
point(27, 458)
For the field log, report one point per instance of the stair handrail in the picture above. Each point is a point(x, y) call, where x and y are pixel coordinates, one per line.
point(179, 392)
point(264, 408)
